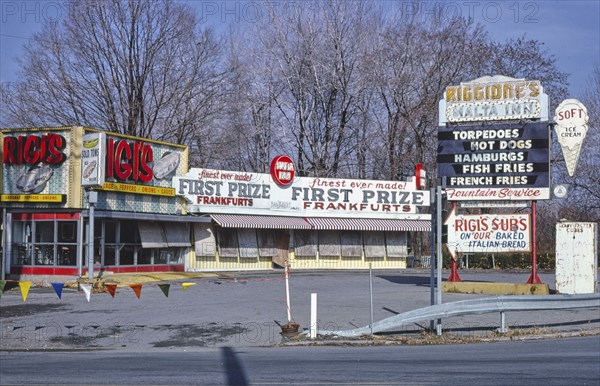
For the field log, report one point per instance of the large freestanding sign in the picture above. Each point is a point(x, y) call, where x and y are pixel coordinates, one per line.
point(498, 162)
point(220, 191)
point(501, 161)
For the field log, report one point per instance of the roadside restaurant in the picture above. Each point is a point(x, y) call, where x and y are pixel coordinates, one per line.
point(152, 213)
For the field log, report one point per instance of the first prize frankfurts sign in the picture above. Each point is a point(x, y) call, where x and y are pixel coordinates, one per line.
point(497, 162)
point(222, 191)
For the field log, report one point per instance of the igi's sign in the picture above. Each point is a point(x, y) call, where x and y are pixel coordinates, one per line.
point(494, 98)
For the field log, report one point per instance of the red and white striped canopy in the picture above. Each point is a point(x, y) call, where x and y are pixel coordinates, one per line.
point(369, 224)
point(264, 222)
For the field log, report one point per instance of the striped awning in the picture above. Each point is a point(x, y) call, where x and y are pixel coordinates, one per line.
point(369, 224)
point(265, 222)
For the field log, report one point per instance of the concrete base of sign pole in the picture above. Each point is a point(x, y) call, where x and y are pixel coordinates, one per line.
point(534, 279)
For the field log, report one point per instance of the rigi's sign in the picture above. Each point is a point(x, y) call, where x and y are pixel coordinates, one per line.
point(32, 149)
point(499, 162)
point(493, 98)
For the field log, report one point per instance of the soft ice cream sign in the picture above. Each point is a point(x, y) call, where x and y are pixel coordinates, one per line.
point(221, 191)
point(571, 127)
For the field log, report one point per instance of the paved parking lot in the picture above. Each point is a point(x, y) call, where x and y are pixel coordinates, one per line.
point(244, 309)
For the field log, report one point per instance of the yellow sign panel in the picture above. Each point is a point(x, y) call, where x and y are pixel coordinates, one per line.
point(33, 197)
point(138, 189)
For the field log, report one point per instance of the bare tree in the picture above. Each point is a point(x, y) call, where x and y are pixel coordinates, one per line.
point(317, 51)
point(413, 64)
point(140, 68)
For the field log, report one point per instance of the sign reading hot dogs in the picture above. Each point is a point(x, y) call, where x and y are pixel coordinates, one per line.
point(219, 191)
point(499, 162)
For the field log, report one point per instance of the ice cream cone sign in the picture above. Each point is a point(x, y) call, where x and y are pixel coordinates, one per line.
point(571, 127)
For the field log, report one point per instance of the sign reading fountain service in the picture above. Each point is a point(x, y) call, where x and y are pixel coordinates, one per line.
point(219, 191)
point(493, 98)
point(495, 162)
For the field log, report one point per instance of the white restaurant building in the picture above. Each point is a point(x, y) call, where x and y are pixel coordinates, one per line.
point(153, 213)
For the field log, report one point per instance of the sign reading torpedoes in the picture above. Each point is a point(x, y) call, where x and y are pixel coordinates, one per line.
point(571, 127)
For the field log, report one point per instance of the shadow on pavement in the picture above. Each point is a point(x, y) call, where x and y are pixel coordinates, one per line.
point(233, 368)
point(406, 279)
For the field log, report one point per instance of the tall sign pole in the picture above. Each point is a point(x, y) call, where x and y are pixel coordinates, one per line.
point(534, 278)
point(494, 150)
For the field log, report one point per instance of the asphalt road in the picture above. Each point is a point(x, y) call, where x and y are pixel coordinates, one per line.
point(548, 362)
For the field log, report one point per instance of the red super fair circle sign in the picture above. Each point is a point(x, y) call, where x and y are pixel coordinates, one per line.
point(283, 170)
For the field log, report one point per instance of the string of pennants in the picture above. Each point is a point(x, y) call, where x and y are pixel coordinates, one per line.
point(24, 286)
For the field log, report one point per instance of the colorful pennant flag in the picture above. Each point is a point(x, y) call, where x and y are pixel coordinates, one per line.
point(185, 286)
point(24, 285)
point(137, 288)
point(58, 287)
point(2, 284)
point(165, 288)
point(87, 289)
point(111, 288)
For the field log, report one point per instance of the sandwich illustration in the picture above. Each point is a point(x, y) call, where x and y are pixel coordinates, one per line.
point(89, 169)
point(166, 165)
point(34, 180)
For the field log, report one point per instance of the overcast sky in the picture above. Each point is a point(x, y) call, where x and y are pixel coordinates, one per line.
point(570, 30)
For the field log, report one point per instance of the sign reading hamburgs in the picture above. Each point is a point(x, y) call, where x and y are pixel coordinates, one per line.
point(494, 98)
point(500, 162)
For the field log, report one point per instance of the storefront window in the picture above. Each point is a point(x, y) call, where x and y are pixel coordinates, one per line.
point(127, 254)
point(144, 256)
point(119, 244)
point(110, 255)
point(67, 254)
point(44, 232)
point(46, 243)
point(22, 249)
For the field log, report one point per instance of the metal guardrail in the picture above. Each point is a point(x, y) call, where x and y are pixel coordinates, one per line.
point(476, 306)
